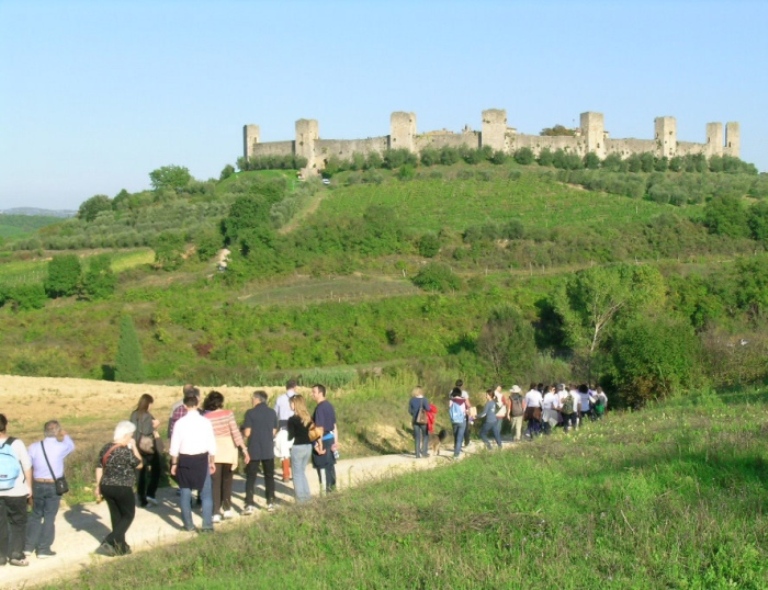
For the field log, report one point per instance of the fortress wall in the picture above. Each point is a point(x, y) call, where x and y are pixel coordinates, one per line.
point(627, 147)
point(440, 139)
point(536, 143)
point(273, 148)
point(344, 148)
point(689, 148)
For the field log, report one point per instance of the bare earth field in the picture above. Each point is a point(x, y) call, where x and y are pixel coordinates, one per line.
point(89, 410)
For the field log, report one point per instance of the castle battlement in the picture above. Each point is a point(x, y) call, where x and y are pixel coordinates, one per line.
point(590, 137)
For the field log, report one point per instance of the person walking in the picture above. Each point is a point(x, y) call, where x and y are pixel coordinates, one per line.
point(516, 412)
point(493, 412)
point(533, 401)
point(418, 408)
point(47, 458)
point(301, 450)
point(260, 428)
point(284, 412)
point(457, 410)
point(325, 451)
point(193, 462)
point(228, 441)
point(150, 448)
point(115, 476)
point(15, 493)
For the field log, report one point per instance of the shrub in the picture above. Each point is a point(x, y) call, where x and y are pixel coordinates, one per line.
point(524, 156)
point(429, 245)
point(99, 281)
point(63, 276)
point(506, 343)
point(437, 277)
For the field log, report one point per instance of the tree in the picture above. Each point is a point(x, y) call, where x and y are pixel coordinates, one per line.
point(129, 365)
point(429, 245)
point(507, 343)
point(63, 277)
point(437, 277)
point(558, 130)
point(99, 281)
point(524, 156)
point(90, 208)
point(226, 172)
point(726, 216)
point(174, 178)
point(593, 298)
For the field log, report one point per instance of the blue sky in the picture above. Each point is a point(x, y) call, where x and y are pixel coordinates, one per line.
point(95, 95)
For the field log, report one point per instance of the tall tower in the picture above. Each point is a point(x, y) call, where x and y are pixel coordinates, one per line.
point(732, 139)
point(402, 131)
point(593, 129)
point(666, 136)
point(251, 136)
point(714, 139)
point(306, 135)
point(494, 128)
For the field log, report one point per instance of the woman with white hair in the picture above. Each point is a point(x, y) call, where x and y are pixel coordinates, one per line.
point(115, 475)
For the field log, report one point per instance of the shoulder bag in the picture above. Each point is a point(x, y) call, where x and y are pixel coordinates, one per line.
point(62, 487)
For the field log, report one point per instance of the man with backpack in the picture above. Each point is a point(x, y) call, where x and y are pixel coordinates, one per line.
point(568, 406)
point(15, 493)
point(516, 412)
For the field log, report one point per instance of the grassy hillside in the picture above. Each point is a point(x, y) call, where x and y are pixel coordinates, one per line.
point(672, 497)
point(19, 226)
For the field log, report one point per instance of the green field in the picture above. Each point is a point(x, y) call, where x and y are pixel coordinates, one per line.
point(20, 226)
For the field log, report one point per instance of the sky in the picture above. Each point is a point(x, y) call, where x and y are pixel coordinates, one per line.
point(94, 95)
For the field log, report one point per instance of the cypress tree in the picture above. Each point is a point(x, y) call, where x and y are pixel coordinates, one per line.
point(129, 366)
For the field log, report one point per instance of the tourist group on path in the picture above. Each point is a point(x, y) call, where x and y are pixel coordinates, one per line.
point(205, 448)
point(542, 408)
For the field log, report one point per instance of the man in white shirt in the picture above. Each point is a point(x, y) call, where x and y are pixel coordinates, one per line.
point(284, 412)
point(193, 461)
point(533, 401)
point(549, 414)
point(15, 492)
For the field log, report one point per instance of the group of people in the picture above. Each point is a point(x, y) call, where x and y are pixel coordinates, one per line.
point(542, 408)
point(205, 447)
point(31, 476)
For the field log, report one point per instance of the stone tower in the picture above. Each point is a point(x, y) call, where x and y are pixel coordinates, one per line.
point(402, 131)
point(251, 136)
point(306, 135)
point(732, 139)
point(494, 129)
point(666, 136)
point(593, 129)
point(714, 145)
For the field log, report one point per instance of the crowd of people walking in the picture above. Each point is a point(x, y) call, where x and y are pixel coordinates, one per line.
point(206, 445)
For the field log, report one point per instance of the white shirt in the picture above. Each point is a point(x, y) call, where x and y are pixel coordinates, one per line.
point(193, 435)
point(283, 406)
point(21, 487)
point(585, 400)
point(533, 398)
point(550, 401)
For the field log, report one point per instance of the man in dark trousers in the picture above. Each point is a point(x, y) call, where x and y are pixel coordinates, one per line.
point(324, 454)
point(260, 428)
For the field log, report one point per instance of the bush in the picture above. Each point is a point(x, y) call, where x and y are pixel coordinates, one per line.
point(507, 344)
point(99, 281)
point(26, 297)
point(524, 156)
point(437, 277)
point(429, 245)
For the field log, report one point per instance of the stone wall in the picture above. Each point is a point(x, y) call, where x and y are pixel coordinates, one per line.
point(590, 137)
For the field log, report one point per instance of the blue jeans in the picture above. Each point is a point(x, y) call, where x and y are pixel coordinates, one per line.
point(422, 439)
point(300, 456)
point(488, 427)
point(458, 437)
point(41, 523)
point(206, 497)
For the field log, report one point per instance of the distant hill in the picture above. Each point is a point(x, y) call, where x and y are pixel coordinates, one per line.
point(20, 225)
point(33, 211)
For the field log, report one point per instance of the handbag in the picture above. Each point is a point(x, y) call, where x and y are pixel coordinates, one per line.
point(146, 444)
point(315, 432)
point(62, 487)
point(421, 417)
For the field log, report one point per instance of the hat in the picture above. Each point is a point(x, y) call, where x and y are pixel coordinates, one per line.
point(515, 389)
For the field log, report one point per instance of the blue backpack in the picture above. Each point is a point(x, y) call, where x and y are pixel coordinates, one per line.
point(457, 413)
point(10, 468)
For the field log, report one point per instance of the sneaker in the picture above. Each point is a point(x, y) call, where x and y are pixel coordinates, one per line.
point(204, 531)
point(216, 518)
point(151, 500)
point(248, 510)
point(45, 554)
point(270, 507)
point(227, 514)
point(190, 529)
point(18, 562)
point(106, 550)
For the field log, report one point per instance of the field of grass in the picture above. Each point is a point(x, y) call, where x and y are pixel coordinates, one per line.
point(20, 226)
point(432, 204)
point(670, 497)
